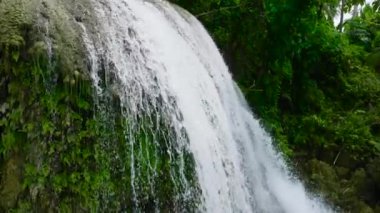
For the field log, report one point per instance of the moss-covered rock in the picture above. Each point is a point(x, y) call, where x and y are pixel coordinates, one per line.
point(75, 150)
point(11, 181)
point(16, 16)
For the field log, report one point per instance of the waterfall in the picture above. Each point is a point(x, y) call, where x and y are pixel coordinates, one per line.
point(177, 99)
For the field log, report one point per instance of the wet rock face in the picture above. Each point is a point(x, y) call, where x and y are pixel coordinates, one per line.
point(55, 158)
point(14, 17)
point(30, 30)
point(55, 22)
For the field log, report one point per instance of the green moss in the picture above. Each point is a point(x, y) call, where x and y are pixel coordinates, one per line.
point(75, 150)
point(16, 17)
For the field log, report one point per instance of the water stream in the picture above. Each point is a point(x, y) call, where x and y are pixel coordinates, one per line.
point(168, 73)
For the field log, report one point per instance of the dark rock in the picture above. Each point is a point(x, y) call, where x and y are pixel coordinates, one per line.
point(78, 18)
point(375, 129)
point(373, 170)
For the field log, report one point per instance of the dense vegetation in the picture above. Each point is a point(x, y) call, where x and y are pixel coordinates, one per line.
point(316, 86)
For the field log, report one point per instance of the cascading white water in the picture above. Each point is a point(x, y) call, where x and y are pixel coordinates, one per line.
point(164, 62)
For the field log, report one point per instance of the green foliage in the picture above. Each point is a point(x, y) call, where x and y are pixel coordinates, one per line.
point(340, 187)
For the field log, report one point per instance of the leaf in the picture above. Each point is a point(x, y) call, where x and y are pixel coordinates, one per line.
point(8, 140)
point(376, 145)
point(47, 127)
point(3, 122)
point(4, 107)
point(82, 104)
point(87, 176)
point(15, 55)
